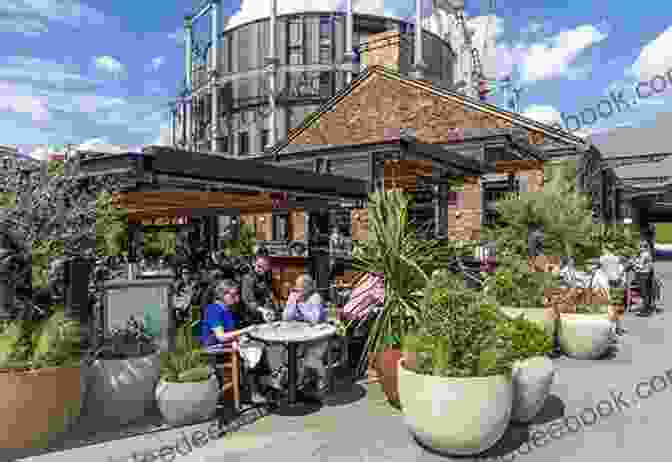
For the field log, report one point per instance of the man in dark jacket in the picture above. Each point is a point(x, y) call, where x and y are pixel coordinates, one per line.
point(257, 291)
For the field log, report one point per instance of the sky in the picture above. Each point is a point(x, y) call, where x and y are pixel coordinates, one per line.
point(92, 72)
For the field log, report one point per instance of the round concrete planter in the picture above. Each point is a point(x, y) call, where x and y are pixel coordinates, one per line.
point(584, 336)
point(121, 390)
point(532, 380)
point(540, 316)
point(185, 403)
point(455, 416)
point(38, 405)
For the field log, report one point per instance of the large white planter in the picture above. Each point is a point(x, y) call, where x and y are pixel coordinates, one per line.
point(455, 416)
point(185, 403)
point(532, 380)
point(121, 390)
point(539, 316)
point(584, 336)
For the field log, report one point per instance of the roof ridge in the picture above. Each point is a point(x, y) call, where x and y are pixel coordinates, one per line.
point(387, 72)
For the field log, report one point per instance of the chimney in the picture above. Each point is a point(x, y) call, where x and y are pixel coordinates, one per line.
point(384, 49)
point(391, 49)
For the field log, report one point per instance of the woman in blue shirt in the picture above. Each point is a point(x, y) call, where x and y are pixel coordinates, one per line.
point(219, 326)
point(219, 319)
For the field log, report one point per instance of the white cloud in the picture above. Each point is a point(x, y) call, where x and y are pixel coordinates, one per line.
point(551, 59)
point(14, 100)
point(547, 58)
point(655, 58)
point(31, 15)
point(109, 64)
point(158, 62)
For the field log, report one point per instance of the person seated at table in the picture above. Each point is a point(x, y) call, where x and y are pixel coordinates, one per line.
point(219, 326)
point(305, 304)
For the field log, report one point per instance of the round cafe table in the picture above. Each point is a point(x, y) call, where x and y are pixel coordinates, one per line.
point(292, 333)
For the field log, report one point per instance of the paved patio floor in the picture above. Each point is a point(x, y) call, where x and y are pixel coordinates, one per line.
point(357, 424)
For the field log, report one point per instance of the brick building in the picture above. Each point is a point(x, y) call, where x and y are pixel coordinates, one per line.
point(398, 132)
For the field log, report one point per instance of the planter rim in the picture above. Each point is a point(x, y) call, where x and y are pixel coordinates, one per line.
point(162, 380)
point(470, 379)
point(583, 316)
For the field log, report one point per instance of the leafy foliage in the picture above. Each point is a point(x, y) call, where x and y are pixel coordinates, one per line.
point(131, 341)
point(617, 296)
point(528, 339)
point(394, 250)
point(461, 333)
point(187, 363)
point(32, 345)
point(618, 239)
point(512, 284)
point(564, 212)
point(244, 245)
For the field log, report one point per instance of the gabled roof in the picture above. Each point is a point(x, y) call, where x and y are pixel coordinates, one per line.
point(450, 95)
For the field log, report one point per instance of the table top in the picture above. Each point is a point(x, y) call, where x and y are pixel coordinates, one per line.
point(292, 332)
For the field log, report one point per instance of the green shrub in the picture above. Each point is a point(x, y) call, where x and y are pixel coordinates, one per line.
point(528, 339)
point(36, 344)
point(187, 363)
point(617, 296)
point(459, 334)
point(512, 284)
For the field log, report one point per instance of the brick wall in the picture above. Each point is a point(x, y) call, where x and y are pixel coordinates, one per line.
point(464, 217)
point(381, 103)
point(297, 225)
point(360, 224)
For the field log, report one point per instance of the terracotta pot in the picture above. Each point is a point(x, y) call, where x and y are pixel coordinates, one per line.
point(387, 366)
point(38, 405)
point(615, 312)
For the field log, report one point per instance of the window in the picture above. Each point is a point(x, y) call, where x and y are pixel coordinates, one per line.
point(325, 84)
point(265, 138)
point(280, 226)
point(225, 144)
point(243, 143)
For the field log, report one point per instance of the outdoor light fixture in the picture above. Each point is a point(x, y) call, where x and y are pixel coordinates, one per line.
point(627, 221)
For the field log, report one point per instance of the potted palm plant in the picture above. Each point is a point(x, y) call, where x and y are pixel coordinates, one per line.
point(40, 380)
point(394, 250)
point(187, 391)
point(122, 373)
point(455, 384)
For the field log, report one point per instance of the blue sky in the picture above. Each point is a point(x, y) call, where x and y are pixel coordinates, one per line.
point(94, 71)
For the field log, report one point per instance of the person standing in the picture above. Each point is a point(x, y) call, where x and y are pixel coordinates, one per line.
point(644, 268)
point(257, 292)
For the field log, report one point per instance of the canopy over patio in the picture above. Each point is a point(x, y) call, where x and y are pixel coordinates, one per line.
point(164, 182)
